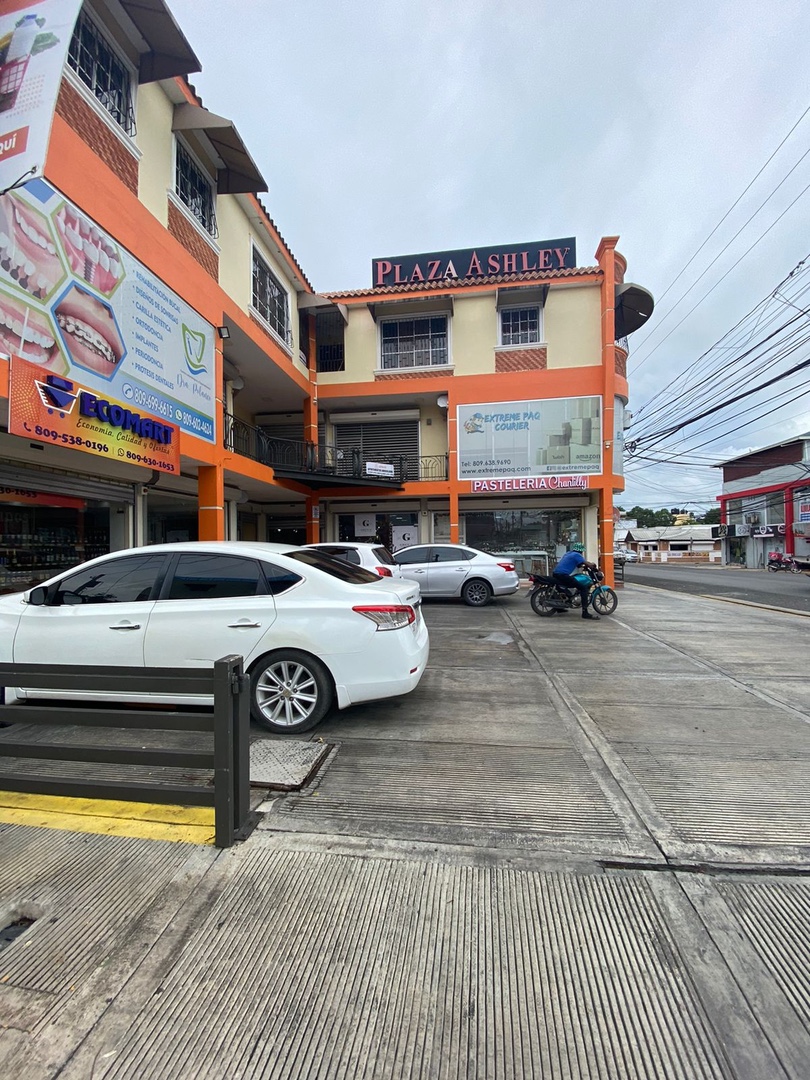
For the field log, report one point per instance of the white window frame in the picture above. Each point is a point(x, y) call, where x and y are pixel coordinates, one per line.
point(540, 327)
point(446, 315)
point(95, 103)
point(287, 344)
point(186, 209)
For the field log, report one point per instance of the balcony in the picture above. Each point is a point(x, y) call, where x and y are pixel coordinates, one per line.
point(328, 466)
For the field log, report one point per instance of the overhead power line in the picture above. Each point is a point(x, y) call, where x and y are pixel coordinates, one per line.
point(720, 222)
point(720, 280)
point(742, 194)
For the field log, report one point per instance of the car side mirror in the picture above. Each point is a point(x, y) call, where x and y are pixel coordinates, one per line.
point(38, 596)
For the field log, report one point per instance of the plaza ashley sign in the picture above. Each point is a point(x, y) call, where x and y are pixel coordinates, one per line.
point(475, 262)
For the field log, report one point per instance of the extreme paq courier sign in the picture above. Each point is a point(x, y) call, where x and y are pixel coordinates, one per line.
point(504, 260)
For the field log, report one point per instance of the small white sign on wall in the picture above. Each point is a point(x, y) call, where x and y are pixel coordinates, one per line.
point(365, 524)
point(404, 536)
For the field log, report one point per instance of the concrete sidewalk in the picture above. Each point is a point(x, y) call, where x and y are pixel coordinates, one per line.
point(577, 850)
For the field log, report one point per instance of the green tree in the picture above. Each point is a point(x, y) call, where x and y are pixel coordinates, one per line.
point(711, 517)
point(650, 519)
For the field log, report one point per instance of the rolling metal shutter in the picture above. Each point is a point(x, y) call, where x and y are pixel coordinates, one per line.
point(81, 487)
point(385, 441)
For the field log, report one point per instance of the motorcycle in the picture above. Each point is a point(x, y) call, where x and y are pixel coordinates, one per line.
point(548, 597)
point(777, 561)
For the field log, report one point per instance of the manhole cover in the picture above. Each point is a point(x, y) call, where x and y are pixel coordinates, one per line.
point(284, 765)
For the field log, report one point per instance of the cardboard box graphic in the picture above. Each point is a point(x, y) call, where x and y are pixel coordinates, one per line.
point(554, 455)
point(584, 454)
point(581, 430)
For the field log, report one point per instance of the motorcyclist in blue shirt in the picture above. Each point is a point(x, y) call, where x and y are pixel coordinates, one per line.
point(571, 563)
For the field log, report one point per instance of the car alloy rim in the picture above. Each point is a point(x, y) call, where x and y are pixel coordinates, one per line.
point(477, 591)
point(286, 693)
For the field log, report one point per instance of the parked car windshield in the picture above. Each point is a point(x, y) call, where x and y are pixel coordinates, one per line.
point(357, 575)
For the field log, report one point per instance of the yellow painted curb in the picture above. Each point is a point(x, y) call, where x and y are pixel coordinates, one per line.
point(148, 821)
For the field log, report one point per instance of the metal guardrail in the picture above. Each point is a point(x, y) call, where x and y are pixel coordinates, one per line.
point(253, 442)
point(229, 759)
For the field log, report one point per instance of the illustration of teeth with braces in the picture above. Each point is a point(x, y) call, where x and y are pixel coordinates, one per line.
point(18, 265)
point(88, 335)
point(90, 256)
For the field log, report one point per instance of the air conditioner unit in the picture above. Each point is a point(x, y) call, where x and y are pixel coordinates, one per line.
point(752, 519)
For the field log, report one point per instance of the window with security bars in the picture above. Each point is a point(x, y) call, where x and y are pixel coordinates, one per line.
point(270, 298)
point(194, 189)
point(520, 326)
point(409, 343)
point(97, 65)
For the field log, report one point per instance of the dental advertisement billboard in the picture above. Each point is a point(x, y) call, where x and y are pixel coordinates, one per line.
point(76, 305)
point(34, 39)
point(530, 440)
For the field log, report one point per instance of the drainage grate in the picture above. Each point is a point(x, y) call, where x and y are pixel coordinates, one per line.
point(284, 764)
point(14, 930)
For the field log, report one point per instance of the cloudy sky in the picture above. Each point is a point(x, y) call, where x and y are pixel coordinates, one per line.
point(385, 127)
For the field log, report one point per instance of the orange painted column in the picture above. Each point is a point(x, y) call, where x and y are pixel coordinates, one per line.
point(211, 502)
point(452, 469)
point(606, 256)
point(313, 519)
point(313, 523)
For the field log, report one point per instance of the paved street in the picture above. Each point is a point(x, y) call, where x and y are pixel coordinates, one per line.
point(755, 586)
point(577, 850)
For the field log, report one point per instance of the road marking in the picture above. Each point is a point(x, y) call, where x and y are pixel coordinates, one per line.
point(149, 821)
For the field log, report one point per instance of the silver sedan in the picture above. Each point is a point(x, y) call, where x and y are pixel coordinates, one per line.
point(458, 570)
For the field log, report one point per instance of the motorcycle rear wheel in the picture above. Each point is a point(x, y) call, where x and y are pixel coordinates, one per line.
point(604, 601)
point(542, 601)
point(773, 566)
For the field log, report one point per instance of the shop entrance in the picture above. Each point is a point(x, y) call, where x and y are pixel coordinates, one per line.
point(170, 519)
point(392, 531)
point(42, 534)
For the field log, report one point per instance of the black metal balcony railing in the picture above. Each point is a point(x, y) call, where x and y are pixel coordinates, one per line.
point(331, 358)
point(306, 457)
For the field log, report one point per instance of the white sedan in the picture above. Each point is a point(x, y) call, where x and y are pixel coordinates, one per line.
point(314, 633)
point(625, 555)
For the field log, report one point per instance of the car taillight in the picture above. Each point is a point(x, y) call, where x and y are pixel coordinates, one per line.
point(387, 616)
point(510, 566)
point(383, 571)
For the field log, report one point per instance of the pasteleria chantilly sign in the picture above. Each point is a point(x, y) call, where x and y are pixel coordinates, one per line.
point(505, 259)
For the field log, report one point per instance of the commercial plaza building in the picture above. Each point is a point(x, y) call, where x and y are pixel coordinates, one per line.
point(765, 505)
point(170, 373)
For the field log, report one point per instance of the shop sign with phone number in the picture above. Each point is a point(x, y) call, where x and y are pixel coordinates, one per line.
point(50, 409)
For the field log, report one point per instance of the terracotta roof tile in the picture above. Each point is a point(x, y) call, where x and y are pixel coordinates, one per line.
point(455, 283)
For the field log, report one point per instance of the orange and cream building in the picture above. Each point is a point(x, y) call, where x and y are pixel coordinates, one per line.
point(168, 372)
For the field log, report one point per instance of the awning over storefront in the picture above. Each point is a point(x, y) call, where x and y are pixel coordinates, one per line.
point(168, 53)
point(240, 173)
